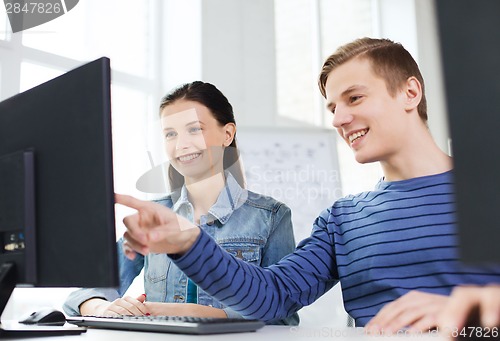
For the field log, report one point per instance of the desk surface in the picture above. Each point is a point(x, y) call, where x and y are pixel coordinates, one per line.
point(268, 333)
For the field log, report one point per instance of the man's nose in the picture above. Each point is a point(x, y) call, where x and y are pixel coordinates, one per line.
point(341, 117)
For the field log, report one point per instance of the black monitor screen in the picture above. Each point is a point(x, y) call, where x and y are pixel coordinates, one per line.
point(56, 198)
point(470, 48)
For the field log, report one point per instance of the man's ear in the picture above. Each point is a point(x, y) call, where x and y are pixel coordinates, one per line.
point(413, 93)
point(230, 131)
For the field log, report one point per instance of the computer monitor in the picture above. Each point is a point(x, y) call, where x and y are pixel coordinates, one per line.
point(57, 225)
point(470, 49)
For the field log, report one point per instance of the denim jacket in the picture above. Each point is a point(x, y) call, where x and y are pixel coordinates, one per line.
point(250, 226)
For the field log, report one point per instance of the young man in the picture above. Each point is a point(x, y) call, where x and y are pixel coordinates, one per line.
point(393, 248)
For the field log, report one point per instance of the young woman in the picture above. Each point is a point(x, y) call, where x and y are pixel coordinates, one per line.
point(207, 186)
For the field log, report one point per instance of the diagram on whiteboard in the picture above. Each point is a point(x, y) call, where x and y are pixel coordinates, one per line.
point(296, 166)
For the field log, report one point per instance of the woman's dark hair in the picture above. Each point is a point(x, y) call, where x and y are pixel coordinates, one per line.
point(212, 98)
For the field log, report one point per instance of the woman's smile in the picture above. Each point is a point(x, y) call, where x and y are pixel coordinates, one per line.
point(188, 158)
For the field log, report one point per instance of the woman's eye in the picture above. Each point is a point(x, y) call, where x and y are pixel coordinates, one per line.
point(170, 134)
point(194, 130)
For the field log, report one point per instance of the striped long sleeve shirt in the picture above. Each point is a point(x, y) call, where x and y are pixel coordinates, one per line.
point(379, 244)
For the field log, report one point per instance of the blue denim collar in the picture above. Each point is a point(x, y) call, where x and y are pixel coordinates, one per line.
point(230, 198)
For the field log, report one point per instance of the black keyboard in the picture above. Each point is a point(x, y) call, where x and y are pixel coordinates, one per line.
point(169, 324)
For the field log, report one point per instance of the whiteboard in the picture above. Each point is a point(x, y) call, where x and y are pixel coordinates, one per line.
point(298, 166)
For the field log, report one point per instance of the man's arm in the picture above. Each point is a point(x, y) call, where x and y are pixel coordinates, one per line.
point(268, 293)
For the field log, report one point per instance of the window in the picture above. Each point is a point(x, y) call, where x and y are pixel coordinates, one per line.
point(117, 29)
point(296, 64)
point(307, 32)
point(33, 74)
point(124, 31)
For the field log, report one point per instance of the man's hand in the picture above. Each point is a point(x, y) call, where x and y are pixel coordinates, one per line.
point(416, 310)
point(155, 228)
point(472, 303)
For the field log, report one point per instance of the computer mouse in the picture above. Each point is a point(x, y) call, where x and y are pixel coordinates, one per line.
point(47, 316)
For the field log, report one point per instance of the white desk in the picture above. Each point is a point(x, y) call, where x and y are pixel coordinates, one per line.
point(268, 333)
point(25, 300)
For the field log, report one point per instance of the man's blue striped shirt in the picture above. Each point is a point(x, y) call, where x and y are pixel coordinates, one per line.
point(380, 245)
